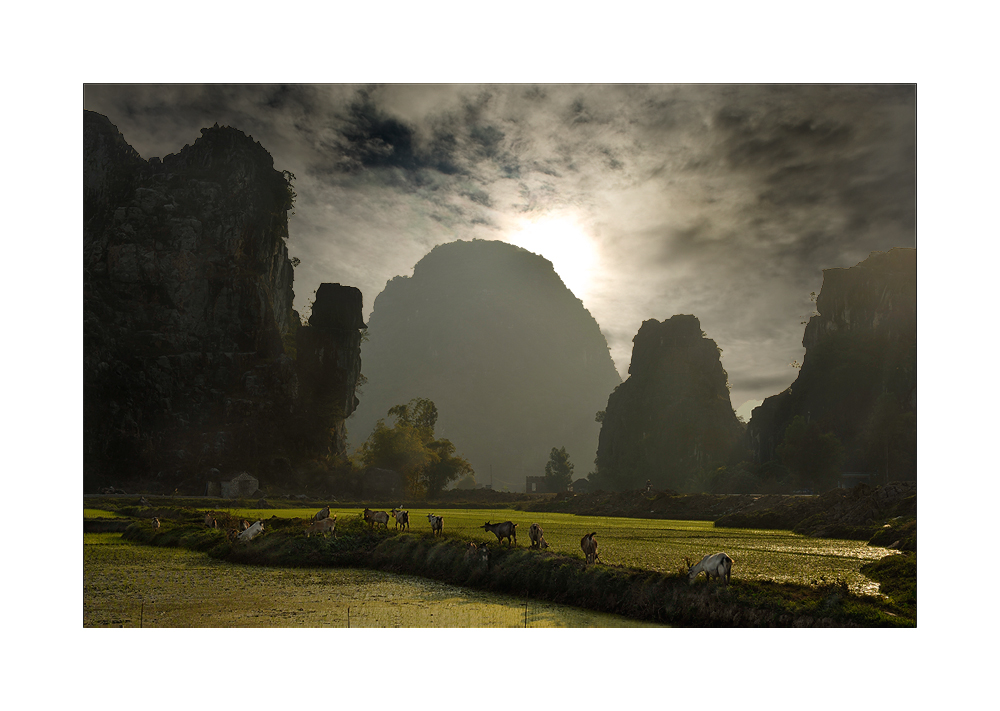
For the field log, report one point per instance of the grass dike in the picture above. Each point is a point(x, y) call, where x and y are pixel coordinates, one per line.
point(538, 574)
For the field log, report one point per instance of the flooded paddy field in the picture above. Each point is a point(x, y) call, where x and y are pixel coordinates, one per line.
point(127, 584)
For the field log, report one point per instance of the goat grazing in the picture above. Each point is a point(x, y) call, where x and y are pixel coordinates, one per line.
point(251, 532)
point(537, 539)
point(717, 565)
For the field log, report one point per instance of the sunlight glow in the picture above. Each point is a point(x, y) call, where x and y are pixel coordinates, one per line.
point(566, 245)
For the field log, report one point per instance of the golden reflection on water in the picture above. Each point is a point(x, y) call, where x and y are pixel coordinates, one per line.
point(780, 556)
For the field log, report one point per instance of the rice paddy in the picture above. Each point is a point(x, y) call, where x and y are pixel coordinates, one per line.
point(652, 544)
point(130, 585)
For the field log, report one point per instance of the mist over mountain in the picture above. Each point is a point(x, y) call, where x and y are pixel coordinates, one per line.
point(514, 362)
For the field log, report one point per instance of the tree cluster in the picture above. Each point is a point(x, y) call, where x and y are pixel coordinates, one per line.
point(410, 448)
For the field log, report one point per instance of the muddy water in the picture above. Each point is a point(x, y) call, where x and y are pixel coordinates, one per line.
point(126, 584)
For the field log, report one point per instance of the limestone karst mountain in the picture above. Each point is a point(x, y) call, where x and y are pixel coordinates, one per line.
point(191, 357)
point(858, 378)
point(673, 415)
point(511, 358)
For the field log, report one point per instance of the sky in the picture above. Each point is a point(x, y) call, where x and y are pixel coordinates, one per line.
point(722, 201)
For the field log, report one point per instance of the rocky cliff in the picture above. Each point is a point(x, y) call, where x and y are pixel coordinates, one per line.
point(511, 358)
point(858, 379)
point(673, 416)
point(329, 366)
point(189, 333)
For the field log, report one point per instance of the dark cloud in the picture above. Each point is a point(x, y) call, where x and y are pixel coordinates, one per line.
point(376, 140)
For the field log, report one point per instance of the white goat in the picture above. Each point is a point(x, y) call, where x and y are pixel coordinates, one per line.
point(716, 565)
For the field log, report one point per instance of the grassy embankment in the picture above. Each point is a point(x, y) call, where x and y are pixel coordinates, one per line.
point(633, 592)
point(894, 525)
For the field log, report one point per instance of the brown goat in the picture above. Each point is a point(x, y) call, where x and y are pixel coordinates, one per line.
point(507, 530)
point(323, 526)
point(589, 545)
point(537, 539)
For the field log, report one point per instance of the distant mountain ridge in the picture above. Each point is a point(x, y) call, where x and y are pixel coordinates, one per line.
point(514, 362)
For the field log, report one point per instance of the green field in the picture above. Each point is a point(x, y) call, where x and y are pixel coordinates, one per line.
point(101, 513)
point(127, 584)
point(652, 544)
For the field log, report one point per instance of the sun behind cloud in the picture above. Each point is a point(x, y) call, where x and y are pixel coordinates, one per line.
point(570, 249)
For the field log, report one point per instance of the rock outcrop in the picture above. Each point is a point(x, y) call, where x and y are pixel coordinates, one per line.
point(329, 366)
point(511, 358)
point(190, 358)
point(673, 415)
point(858, 378)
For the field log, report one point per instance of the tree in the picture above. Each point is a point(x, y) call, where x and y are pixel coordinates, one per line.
point(815, 459)
point(890, 440)
point(558, 470)
point(419, 413)
point(400, 448)
point(466, 483)
point(410, 448)
point(444, 467)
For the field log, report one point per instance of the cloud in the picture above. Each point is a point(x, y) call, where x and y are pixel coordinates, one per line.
point(725, 201)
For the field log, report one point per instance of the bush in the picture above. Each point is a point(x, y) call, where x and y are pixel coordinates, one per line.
point(897, 577)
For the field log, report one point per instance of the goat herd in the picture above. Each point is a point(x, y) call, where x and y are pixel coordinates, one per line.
point(244, 532)
point(506, 530)
point(717, 565)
